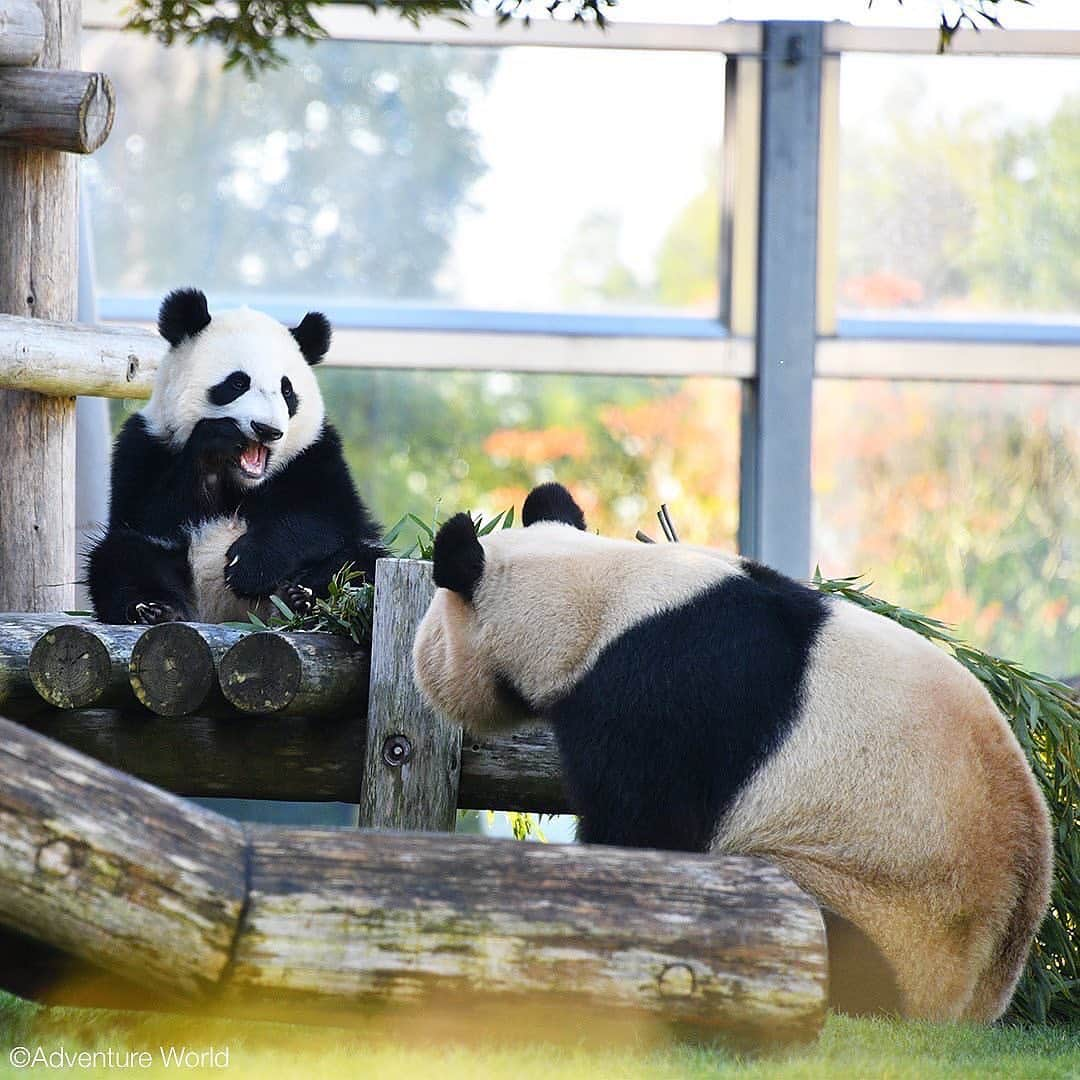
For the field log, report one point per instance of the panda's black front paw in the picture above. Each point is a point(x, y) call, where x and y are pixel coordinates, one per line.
point(299, 599)
point(246, 569)
point(215, 441)
point(149, 613)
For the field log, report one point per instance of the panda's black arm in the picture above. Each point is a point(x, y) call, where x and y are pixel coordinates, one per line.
point(156, 489)
point(304, 525)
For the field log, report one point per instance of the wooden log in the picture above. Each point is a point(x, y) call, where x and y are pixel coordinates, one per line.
point(65, 358)
point(304, 674)
point(304, 921)
point(38, 272)
point(412, 758)
point(18, 635)
point(113, 870)
point(22, 32)
point(392, 921)
point(75, 666)
point(240, 757)
point(70, 111)
point(305, 759)
point(173, 668)
point(516, 771)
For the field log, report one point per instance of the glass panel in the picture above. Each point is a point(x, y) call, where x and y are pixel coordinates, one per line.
point(482, 440)
point(517, 178)
point(957, 187)
point(958, 500)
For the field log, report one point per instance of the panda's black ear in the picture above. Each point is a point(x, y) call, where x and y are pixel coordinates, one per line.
point(552, 502)
point(313, 336)
point(183, 314)
point(458, 556)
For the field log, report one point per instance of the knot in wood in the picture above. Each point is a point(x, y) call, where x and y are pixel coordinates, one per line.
point(57, 858)
point(676, 981)
point(396, 751)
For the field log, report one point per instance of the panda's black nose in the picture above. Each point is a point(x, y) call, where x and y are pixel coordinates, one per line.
point(265, 433)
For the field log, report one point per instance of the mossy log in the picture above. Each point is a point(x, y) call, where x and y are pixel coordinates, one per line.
point(173, 667)
point(303, 674)
point(332, 924)
point(84, 664)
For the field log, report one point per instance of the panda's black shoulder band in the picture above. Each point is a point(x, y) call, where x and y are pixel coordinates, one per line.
point(183, 314)
point(458, 556)
point(552, 502)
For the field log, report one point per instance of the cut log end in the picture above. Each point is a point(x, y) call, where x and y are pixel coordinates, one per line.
point(70, 668)
point(261, 673)
point(172, 669)
point(96, 113)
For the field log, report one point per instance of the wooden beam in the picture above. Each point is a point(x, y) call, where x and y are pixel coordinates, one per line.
point(70, 111)
point(412, 759)
point(65, 358)
point(113, 870)
point(22, 32)
point(38, 278)
point(393, 928)
point(297, 758)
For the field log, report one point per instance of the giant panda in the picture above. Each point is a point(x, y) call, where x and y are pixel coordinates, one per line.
point(230, 485)
point(707, 703)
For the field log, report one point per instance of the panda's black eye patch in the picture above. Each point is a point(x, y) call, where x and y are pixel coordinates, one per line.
point(289, 394)
point(229, 389)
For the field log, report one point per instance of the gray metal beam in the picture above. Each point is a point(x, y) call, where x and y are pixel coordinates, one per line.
point(775, 472)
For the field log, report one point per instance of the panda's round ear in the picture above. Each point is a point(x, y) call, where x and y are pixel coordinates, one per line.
point(458, 556)
point(182, 315)
point(552, 502)
point(313, 336)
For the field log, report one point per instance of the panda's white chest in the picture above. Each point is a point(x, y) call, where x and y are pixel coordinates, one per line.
point(212, 599)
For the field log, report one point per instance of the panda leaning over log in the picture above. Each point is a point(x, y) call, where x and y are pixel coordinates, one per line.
point(230, 485)
point(703, 702)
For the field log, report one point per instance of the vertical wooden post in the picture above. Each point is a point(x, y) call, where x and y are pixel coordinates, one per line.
point(412, 760)
point(39, 277)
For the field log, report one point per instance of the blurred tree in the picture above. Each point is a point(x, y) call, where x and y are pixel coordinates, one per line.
point(342, 174)
point(250, 31)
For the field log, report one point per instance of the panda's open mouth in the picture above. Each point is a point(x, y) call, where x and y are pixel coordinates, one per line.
point(253, 460)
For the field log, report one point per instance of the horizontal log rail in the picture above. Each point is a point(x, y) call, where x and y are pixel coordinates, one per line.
point(294, 758)
point(66, 358)
point(206, 710)
point(371, 925)
point(55, 110)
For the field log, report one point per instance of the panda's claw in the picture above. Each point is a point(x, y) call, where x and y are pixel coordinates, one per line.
point(149, 613)
point(299, 598)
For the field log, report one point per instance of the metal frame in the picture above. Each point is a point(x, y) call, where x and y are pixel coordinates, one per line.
point(780, 194)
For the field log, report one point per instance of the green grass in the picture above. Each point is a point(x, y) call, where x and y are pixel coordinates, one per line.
point(847, 1048)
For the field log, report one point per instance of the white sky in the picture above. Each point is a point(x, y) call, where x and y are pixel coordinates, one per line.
point(569, 132)
point(1057, 14)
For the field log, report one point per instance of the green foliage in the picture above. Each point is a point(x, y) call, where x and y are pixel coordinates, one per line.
point(250, 30)
point(424, 541)
point(1045, 716)
point(346, 610)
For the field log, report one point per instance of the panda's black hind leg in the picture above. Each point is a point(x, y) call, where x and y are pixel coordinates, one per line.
point(135, 578)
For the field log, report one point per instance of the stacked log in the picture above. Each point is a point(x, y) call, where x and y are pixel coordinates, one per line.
point(337, 924)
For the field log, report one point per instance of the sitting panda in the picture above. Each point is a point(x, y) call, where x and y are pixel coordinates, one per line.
point(704, 702)
point(229, 485)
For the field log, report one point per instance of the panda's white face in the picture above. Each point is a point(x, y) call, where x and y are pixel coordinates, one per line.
point(246, 367)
